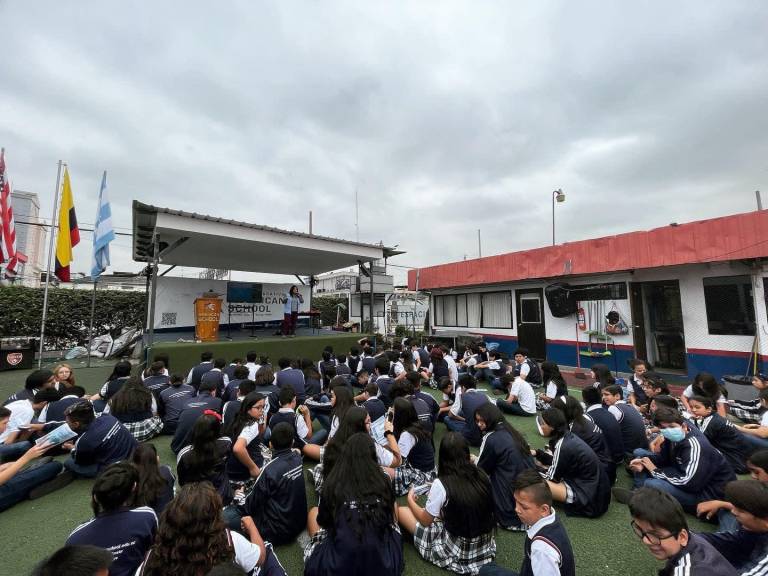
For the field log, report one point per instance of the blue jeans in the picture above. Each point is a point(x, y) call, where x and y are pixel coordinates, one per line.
point(512, 408)
point(756, 442)
point(90, 471)
point(485, 374)
point(19, 486)
point(455, 425)
point(497, 384)
point(727, 521)
point(493, 569)
point(11, 452)
point(319, 437)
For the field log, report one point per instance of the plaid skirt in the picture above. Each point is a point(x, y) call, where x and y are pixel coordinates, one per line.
point(145, 429)
point(407, 476)
point(454, 553)
point(321, 535)
point(317, 474)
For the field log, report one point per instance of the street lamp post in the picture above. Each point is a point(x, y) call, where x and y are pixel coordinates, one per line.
point(557, 195)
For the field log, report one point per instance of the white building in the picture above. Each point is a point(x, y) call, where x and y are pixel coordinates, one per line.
point(30, 237)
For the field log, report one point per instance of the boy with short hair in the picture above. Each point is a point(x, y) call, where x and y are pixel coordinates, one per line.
point(630, 420)
point(521, 400)
point(637, 396)
point(547, 550)
point(526, 368)
point(372, 403)
point(660, 523)
point(35, 381)
point(172, 402)
point(300, 423)
point(461, 416)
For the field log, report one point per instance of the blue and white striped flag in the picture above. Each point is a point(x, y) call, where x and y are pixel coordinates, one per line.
point(103, 233)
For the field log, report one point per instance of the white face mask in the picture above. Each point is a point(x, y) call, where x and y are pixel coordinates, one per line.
point(538, 426)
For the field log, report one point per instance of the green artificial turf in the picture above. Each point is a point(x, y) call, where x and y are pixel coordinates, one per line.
point(32, 530)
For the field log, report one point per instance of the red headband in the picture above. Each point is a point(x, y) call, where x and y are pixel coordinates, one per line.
point(212, 413)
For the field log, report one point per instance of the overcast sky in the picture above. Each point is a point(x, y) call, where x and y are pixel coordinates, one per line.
point(446, 117)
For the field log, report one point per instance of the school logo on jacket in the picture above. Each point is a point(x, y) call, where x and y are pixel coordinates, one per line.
point(14, 358)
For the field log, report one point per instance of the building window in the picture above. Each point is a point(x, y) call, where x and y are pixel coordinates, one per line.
point(496, 309)
point(461, 310)
point(449, 310)
point(530, 309)
point(729, 304)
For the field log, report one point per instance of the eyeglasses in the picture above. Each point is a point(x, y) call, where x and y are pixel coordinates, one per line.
point(653, 539)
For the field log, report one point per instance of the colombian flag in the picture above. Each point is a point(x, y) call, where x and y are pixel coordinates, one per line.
point(69, 234)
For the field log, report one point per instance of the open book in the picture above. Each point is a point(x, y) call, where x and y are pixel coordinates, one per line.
point(57, 436)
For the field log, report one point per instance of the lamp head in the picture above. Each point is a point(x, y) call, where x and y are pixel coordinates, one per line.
point(559, 195)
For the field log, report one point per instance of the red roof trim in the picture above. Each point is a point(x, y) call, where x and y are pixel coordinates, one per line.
point(737, 237)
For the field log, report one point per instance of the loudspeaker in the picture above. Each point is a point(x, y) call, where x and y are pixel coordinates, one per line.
point(562, 301)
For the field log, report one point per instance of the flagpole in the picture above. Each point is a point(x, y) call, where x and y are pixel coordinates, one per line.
point(90, 324)
point(48, 269)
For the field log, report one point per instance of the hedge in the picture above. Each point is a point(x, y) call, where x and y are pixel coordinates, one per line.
point(326, 305)
point(66, 324)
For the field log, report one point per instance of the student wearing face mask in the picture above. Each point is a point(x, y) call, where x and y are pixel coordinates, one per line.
point(687, 466)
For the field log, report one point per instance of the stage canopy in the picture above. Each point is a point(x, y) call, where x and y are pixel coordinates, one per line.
point(187, 239)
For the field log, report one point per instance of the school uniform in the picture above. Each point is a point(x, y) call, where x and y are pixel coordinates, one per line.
point(384, 384)
point(229, 412)
point(216, 377)
point(611, 430)
point(216, 475)
point(128, 533)
point(166, 495)
point(353, 362)
point(156, 384)
point(375, 408)
point(196, 373)
point(22, 414)
point(554, 391)
point(112, 387)
point(595, 439)
point(253, 368)
point(431, 403)
point(579, 469)
point(501, 459)
point(635, 386)
point(314, 386)
point(745, 550)
point(173, 400)
point(367, 363)
point(471, 400)
point(748, 411)
point(525, 403)
point(632, 426)
point(236, 470)
point(230, 371)
point(727, 439)
point(272, 392)
point(295, 379)
point(530, 371)
point(698, 558)
point(423, 412)
point(142, 424)
point(290, 417)
point(230, 391)
point(22, 394)
point(278, 500)
point(193, 409)
point(418, 465)
point(104, 442)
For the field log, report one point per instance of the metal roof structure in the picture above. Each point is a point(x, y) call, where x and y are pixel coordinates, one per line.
point(737, 237)
point(190, 239)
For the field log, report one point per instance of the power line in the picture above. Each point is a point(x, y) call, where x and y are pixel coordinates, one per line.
point(79, 228)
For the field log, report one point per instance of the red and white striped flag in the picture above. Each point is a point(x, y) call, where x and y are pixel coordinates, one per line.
point(8, 253)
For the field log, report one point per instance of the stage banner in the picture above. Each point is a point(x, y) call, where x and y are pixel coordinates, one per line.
point(250, 301)
point(207, 316)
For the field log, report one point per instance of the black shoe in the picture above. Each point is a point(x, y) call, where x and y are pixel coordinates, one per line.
point(622, 495)
point(52, 485)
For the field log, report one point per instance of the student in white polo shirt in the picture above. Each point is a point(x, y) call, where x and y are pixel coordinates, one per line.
point(521, 400)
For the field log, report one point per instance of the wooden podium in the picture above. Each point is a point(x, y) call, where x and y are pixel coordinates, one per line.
point(207, 314)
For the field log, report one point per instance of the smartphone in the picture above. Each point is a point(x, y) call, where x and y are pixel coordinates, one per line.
point(390, 415)
point(422, 489)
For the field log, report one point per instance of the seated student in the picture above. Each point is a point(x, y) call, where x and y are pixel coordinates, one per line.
point(253, 364)
point(278, 501)
point(382, 380)
point(265, 384)
point(125, 531)
point(232, 366)
point(54, 411)
point(462, 412)
point(353, 531)
point(232, 407)
point(205, 459)
point(65, 377)
point(192, 539)
point(314, 382)
point(471, 359)
point(757, 434)
point(704, 384)
point(504, 454)
point(521, 400)
point(720, 432)
point(757, 464)
point(492, 369)
point(159, 357)
point(326, 368)
point(193, 408)
point(18, 483)
point(415, 379)
point(82, 560)
point(586, 429)
point(747, 547)
point(653, 385)
point(156, 481)
point(172, 401)
point(526, 368)
point(445, 386)
point(135, 407)
point(630, 420)
point(247, 434)
point(637, 395)
point(602, 376)
point(416, 449)
point(361, 379)
point(217, 376)
point(555, 385)
point(101, 441)
point(607, 423)
point(120, 374)
point(404, 389)
point(372, 403)
point(342, 367)
point(547, 550)
point(158, 379)
point(341, 400)
point(298, 419)
point(353, 359)
point(659, 521)
point(687, 467)
point(35, 381)
point(575, 474)
point(13, 440)
point(293, 377)
point(195, 375)
point(239, 375)
point(750, 411)
point(455, 530)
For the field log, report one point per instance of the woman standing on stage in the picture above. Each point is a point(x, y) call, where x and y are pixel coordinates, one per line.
point(291, 303)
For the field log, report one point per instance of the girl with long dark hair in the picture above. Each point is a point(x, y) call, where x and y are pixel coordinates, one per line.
point(313, 380)
point(246, 433)
point(136, 407)
point(554, 385)
point(704, 384)
point(156, 481)
point(341, 400)
point(192, 539)
point(455, 530)
point(504, 453)
point(354, 531)
point(575, 474)
point(602, 376)
point(416, 449)
point(205, 459)
point(586, 429)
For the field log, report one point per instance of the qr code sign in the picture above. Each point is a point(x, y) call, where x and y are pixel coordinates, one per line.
point(169, 319)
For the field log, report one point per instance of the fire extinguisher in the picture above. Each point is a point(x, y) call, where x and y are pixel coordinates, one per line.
point(581, 319)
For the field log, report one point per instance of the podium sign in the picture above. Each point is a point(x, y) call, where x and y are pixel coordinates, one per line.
point(207, 314)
